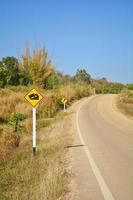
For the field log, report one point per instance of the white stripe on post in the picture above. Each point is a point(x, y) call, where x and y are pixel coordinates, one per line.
point(34, 130)
point(64, 107)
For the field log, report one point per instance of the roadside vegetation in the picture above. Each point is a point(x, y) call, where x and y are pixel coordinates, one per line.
point(125, 101)
point(44, 176)
point(102, 86)
point(23, 176)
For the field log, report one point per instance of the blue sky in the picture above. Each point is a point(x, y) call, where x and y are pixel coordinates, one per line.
point(93, 34)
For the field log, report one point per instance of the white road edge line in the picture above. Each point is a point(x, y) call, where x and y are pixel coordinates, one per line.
point(102, 184)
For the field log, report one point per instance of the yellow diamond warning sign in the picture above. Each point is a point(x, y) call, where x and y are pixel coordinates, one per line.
point(64, 100)
point(33, 97)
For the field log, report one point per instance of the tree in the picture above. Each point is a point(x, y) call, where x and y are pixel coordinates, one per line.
point(82, 76)
point(37, 67)
point(104, 79)
point(3, 75)
point(52, 81)
point(11, 66)
point(24, 78)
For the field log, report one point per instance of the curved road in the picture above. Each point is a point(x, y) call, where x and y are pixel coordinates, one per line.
point(103, 158)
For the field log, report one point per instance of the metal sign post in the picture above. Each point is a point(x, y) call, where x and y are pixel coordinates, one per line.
point(34, 130)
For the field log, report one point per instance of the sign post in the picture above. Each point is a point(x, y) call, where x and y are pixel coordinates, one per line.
point(64, 101)
point(33, 97)
point(64, 107)
point(94, 91)
point(34, 130)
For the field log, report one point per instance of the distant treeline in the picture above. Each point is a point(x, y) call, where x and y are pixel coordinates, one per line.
point(37, 69)
point(103, 86)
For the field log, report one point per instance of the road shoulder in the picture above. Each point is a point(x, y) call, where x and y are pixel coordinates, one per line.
point(83, 182)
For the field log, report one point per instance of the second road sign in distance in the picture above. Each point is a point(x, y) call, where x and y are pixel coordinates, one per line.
point(63, 100)
point(33, 97)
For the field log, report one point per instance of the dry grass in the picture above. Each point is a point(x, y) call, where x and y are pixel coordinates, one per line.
point(44, 176)
point(126, 108)
point(8, 141)
point(12, 101)
point(125, 102)
point(9, 100)
point(23, 176)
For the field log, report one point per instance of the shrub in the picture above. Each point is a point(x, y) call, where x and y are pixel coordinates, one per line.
point(15, 120)
point(126, 96)
point(52, 82)
point(82, 91)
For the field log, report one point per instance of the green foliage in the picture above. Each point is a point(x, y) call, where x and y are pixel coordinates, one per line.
point(53, 81)
point(130, 86)
point(15, 120)
point(98, 87)
point(11, 66)
point(104, 79)
point(3, 75)
point(24, 78)
point(105, 87)
point(111, 90)
point(82, 76)
point(30, 69)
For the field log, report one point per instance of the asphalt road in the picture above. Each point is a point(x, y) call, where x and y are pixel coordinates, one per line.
point(102, 151)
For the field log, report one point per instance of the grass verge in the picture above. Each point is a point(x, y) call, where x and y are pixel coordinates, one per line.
point(22, 176)
point(125, 102)
point(45, 176)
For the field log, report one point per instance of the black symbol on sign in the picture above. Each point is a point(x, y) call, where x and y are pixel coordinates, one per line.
point(34, 96)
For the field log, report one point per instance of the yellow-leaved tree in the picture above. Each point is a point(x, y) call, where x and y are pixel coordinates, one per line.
point(36, 67)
